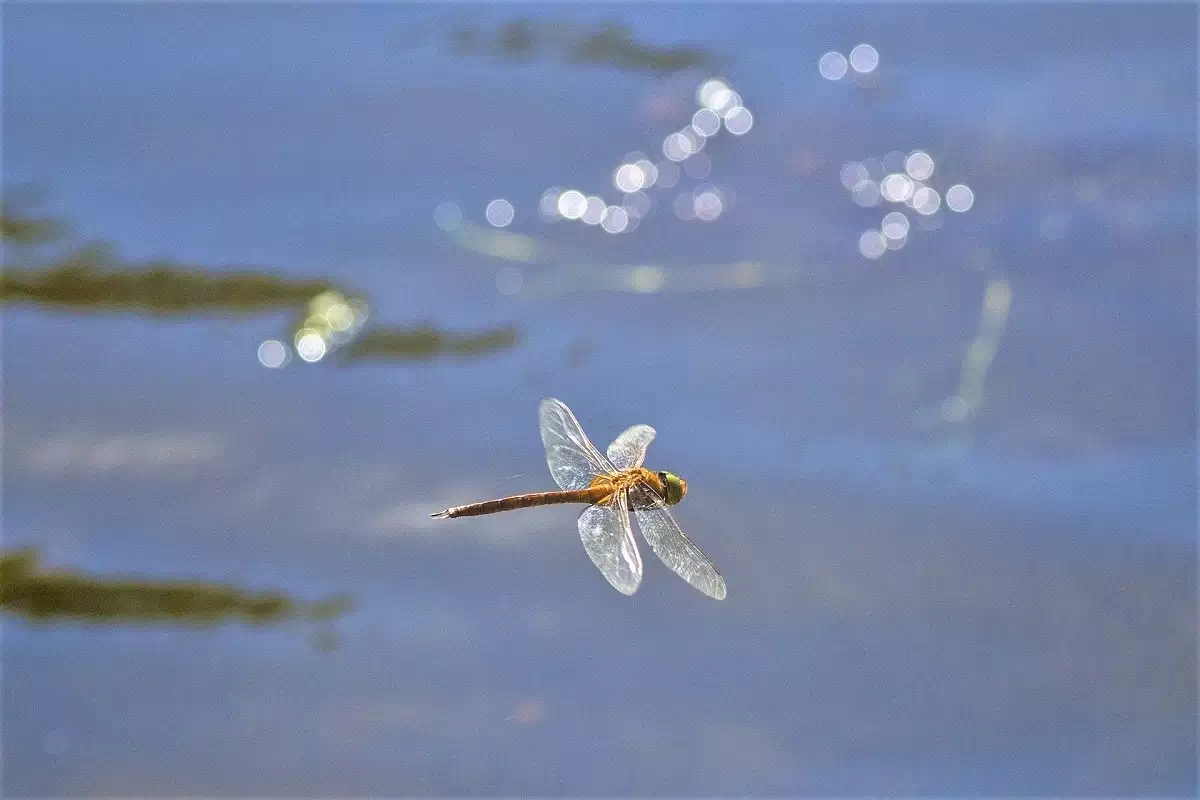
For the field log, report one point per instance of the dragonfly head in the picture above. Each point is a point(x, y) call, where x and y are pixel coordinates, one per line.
point(674, 486)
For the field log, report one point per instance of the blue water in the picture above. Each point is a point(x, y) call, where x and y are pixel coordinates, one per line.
point(916, 605)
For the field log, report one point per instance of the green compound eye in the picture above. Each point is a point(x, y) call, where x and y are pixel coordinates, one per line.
point(676, 487)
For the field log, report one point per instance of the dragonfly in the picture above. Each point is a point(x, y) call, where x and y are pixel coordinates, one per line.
point(614, 485)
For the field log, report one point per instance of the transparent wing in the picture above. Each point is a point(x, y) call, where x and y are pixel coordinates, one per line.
point(609, 542)
point(629, 449)
point(672, 546)
point(573, 460)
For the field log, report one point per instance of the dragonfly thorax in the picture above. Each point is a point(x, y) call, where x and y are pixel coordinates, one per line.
point(667, 485)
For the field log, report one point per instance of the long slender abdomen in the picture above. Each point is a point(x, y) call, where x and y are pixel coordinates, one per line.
point(590, 495)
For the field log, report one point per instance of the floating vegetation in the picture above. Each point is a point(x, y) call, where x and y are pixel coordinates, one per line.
point(328, 318)
point(91, 279)
point(28, 230)
point(603, 44)
point(94, 277)
point(612, 44)
point(42, 595)
point(425, 342)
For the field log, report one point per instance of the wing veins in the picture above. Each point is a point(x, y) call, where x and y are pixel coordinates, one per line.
point(673, 547)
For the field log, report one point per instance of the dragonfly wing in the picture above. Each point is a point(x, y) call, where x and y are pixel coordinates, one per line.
point(673, 547)
point(609, 542)
point(629, 449)
point(573, 460)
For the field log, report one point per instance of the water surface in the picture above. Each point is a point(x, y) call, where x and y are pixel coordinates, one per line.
point(958, 533)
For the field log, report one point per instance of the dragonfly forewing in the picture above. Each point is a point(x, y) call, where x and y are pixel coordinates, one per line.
point(629, 449)
point(572, 458)
point(608, 539)
point(672, 546)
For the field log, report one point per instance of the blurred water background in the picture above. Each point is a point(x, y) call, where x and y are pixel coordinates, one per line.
point(945, 458)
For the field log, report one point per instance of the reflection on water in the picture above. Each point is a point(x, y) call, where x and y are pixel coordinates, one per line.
point(903, 180)
point(636, 177)
point(41, 595)
point(495, 244)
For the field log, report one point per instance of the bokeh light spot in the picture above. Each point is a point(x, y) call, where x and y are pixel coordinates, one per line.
point(273, 354)
point(707, 205)
point(864, 58)
point(960, 198)
point(340, 316)
point(500, 213)
point(872, 244)
point(926, 201)
point(739, 121)
point(723, 99)
point(704, 94)
point(832, 66)
point(896, 187)
point(706, 122)
point(919, 165)
point(677, 147)
point(735, 102)
point(310, 345)
point(548, 205)
point(894, 226)
point(649, 172)
point(572, 204)
point(853, 173)
point(615, 219)
point(629, 178)
point(593, 212)
point(866, 194)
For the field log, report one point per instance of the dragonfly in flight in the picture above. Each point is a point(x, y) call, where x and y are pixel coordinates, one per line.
point(614, 485)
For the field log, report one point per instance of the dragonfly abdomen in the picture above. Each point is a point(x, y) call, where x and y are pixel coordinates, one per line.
point(594, 494)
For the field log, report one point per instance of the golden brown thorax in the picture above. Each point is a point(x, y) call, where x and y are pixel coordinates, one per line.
point(627, 479)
